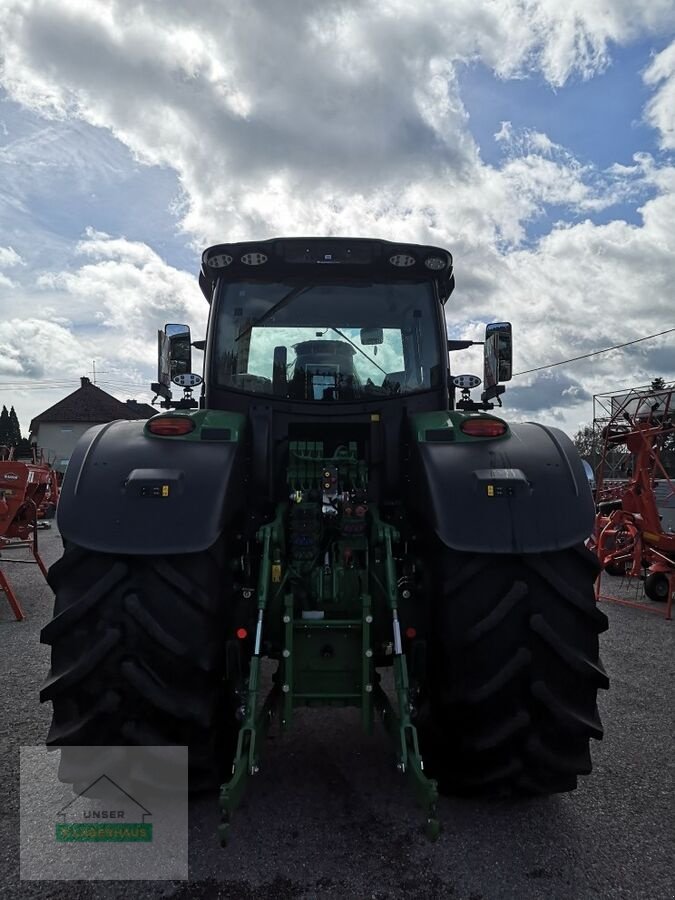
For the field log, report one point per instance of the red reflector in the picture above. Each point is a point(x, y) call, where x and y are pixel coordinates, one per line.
point(483, 427)
point(242, 633)
point(171, 426)
point(411, 632)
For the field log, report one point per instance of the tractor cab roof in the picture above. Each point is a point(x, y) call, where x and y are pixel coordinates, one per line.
point(316, 258)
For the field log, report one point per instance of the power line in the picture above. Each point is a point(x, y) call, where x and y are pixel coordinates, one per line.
point(49, 382)
point(594, 353)
point(126, 385)
point(55, 385)
point(36, 387)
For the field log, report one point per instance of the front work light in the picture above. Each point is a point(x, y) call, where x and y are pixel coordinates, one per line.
point(466, 382)
point(219, 260)
point(402, 260)
point(254, 259)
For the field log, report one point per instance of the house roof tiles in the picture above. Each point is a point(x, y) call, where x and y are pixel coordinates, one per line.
point(91, 404)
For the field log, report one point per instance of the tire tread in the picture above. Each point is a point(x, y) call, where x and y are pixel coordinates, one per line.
point(514, 670)
point(138, 654)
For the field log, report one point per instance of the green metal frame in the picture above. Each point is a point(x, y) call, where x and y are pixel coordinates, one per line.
point(350, 679)
point(256, 721)
point(397, 721)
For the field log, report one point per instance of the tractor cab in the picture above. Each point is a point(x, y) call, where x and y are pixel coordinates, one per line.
point(339, 321)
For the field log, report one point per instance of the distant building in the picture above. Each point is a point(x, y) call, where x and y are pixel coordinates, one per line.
point(58, 428)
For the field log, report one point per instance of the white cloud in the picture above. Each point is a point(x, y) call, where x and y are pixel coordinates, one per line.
point(9, 257)
point(344, 117)
point(35, 348)
point(660, 112)
point(127, 290)
point(356, 100)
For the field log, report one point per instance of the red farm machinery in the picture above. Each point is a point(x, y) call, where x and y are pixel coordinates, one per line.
point(635, 524)
point(28, 495)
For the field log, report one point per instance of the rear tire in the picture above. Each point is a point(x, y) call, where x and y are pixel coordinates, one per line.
point(514, 672)
point(137, 659)
point(657, 587)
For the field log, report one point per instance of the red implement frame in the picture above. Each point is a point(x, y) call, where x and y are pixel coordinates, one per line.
point(27, 489)
point(629, 534)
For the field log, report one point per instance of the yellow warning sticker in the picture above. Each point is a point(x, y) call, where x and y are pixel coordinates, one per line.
point(490, 490)
point(276, 573)
point(165, 490)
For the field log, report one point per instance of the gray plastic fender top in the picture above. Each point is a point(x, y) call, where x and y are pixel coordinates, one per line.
point(526, 493)
point(127, 493)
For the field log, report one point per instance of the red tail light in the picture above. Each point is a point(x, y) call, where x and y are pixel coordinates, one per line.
point(171, 426)
point(242, 634)
point(480, 427)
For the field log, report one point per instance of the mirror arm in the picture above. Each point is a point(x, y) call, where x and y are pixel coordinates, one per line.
point(493, 393)
point(160, 390)
point(462, 345)
point(185, 403)
point(473, 406)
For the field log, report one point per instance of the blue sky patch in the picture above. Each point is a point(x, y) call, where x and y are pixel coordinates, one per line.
point(599, 120)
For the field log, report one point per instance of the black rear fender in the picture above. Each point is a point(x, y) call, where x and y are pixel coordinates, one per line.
point(526, 492)
point(126, 492)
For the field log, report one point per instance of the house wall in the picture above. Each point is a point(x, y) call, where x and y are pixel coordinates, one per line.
point(58, 439)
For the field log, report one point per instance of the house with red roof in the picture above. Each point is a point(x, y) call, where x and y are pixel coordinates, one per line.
point(57, 429)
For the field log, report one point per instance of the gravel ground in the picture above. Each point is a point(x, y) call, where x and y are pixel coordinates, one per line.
point(328, 816)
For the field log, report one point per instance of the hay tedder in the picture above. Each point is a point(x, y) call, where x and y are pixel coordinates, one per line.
point(334, 507)
point(29, 492)
point(630, 536)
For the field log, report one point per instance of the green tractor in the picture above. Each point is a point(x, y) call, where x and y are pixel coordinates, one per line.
point(337, 503)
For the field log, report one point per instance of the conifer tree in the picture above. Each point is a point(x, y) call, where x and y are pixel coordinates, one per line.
point(4, 427)
point(14, 429)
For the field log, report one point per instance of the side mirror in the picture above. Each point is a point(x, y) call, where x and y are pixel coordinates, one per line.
point(371, 336)
point(180, 351)
point(498, 357)
point(163, 366)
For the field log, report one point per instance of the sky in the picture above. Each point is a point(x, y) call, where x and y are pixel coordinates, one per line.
point(533, 139)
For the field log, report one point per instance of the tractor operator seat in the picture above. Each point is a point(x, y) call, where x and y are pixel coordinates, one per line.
point(324, 370)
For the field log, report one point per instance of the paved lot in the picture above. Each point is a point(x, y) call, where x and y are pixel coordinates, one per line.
point(328, 816)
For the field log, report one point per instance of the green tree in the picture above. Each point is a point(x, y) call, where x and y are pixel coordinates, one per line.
point(589, 444)
point(10, 433)
point(4, 427)
point(668, 446)
point(14, 429)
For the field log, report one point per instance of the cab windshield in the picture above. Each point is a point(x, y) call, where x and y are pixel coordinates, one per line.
point(327, 341)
